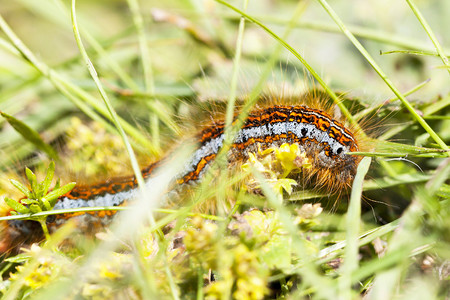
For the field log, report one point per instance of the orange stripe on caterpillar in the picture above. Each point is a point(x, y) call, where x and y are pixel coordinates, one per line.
point(323, 139)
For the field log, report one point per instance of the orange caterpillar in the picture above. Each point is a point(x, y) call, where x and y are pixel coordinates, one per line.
point(321, 136)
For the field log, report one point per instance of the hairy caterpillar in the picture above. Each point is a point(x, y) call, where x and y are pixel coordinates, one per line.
point(323, 138)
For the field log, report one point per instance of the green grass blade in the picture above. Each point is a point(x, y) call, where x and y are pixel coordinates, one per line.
point(111, 110)
point(353, 220)
point(383, 76)
point(430, 33)
point(16, 206)
point(145, 55)
point(327, 89)
point(30, 135)
point(21, 188)
point(384, 37)
point(58, 81)
point(411, 52)
point(53, 196)
point(234, 77)
point(48, 178)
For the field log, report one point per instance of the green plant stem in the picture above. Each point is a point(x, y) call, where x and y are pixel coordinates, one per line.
point(234, 78)
point(200, 295)
point(383, 76)
point(352, 231)
point(327, 89)
point(412, 52)
point(400, 154)
point(173, 287)
point(43, 223)
point(367, 111)
point(105, 98)
point(145, 55)
point(146, 66)
point(114, 117)
point(359, 31)
point(430, 33)
point(101, 208)
point(437, 118)
point(66, 88)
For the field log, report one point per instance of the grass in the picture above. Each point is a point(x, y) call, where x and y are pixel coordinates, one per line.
point(390, 240)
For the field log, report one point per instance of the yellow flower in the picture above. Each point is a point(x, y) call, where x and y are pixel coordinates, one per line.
point(47, 269)
point(112, 269)
point(276, 164)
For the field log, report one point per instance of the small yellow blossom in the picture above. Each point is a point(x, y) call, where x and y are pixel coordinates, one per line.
point(47, 269)
point(276, 164)
point(200, 241)
point(112, 269)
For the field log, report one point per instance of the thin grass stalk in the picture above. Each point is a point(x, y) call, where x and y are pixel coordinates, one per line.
point(367, 111)
point(97, 46)
point(146, 67)
point(327, 89)
point(323, 286)
point(353, 220)
point(430, 33)
point(234, 77)
point(57, 80)
point(411, 52)
point(359, 31)
point(383, 76)
point(145, 54)
point(250, 101)
point(108, 104)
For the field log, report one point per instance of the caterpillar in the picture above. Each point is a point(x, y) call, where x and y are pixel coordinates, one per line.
point(324, 139)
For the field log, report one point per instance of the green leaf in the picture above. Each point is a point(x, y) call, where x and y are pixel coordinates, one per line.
point(48, 178)
point(16, 206)
point(55, 194)
point(23, 257)
point(33, 181)
point(21, 188)
point(58, 184)
point(28, 201)
point(392, 147)
point(44, 204)
point(30, 135)
point(34, 208)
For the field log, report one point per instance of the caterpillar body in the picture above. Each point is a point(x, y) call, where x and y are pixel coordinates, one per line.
point(323, 138)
